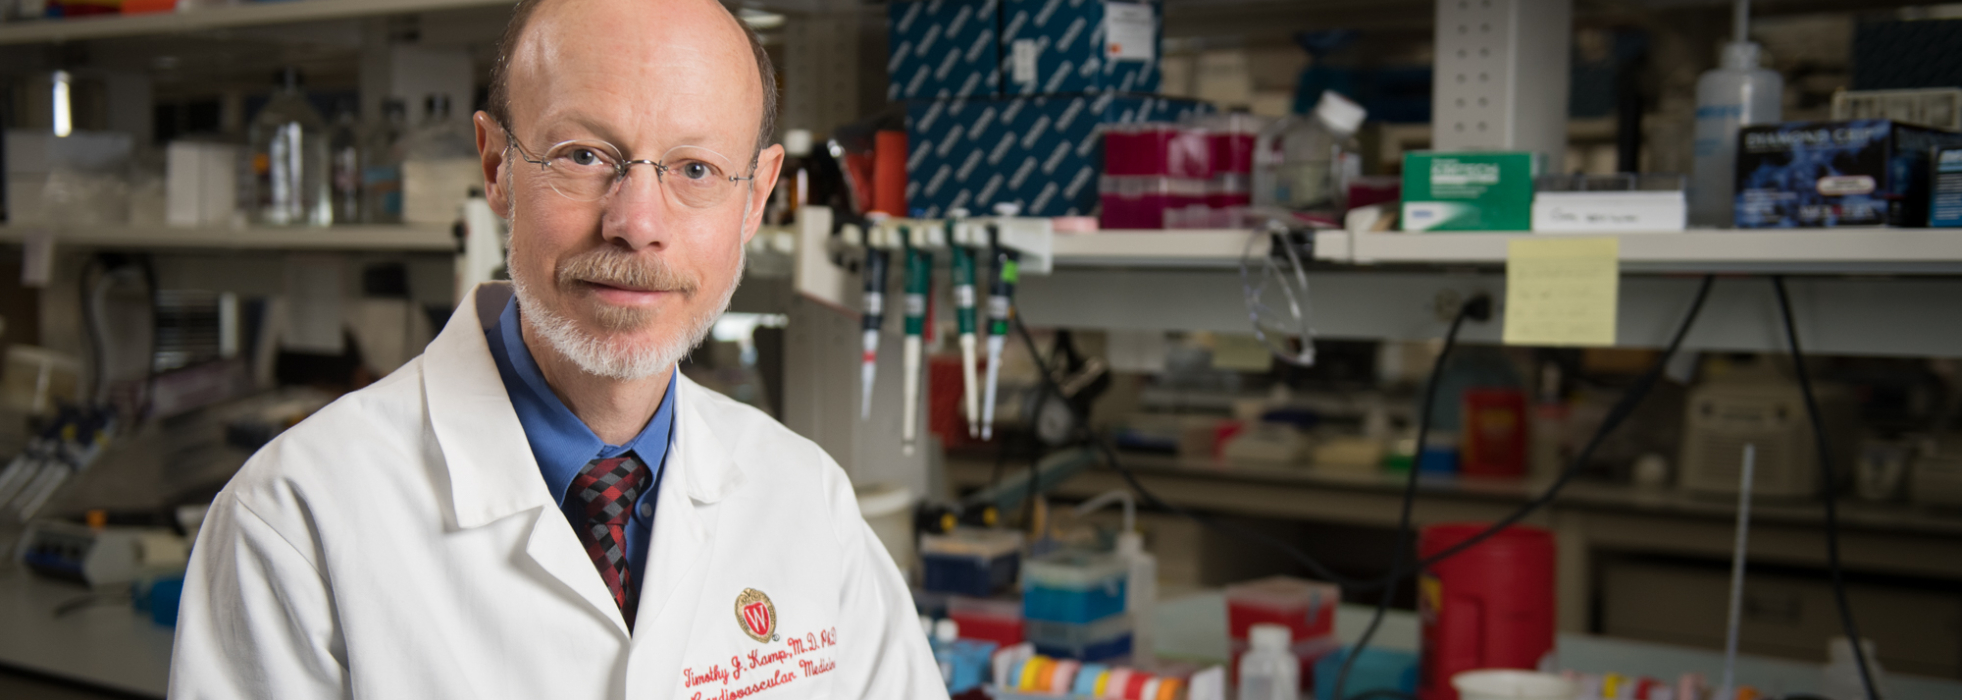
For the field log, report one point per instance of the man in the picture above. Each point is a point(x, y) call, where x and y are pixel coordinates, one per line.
point(539, 506)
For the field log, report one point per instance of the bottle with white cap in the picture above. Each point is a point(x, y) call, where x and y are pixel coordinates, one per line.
point(794, 184)
point(945, 631)
point(1304, 163)
point(1270, 670)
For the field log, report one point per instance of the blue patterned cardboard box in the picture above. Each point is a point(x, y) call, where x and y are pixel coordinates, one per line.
point(1043, 153)
point(1053, 47)
point(943, 48)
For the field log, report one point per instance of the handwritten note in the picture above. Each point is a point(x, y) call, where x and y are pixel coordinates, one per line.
point(1562, 291)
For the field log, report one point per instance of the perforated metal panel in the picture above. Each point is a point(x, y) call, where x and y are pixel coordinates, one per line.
point(1501, 76)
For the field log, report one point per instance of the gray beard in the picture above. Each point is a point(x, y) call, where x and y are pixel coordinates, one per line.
point(599, 356)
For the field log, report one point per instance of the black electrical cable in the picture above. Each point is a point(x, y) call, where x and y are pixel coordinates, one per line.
point(1620, 412)
point(1826, 484)
point(1480, 308)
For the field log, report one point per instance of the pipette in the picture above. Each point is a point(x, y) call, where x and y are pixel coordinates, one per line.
point(873, 307)
point(1001, 287)
point(919, 281)
point(964, 316)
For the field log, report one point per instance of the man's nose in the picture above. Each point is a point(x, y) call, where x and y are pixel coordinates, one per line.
point(637, 212)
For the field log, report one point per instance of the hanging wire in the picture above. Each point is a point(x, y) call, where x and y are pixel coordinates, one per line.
point(1277, 295)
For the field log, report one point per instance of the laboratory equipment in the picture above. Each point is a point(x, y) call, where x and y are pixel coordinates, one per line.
point(1945, 191)
point(963, 662)
point(1304, 163)
point(290, 165)
point(1841, 679)
point(872, 305)
point(1141, 576)
point(1306, 608)
point(344, 156)
point(970, 561)
point(1494, 433)
point(794, 184)
point(1375, 669)
point(1736, 94)
point(916, 239)
point(440, 165)
point(1939, 108)
point(100, 556)
point(201, 183)
point(1073, 604)
point(381, 165)
point(962, 239)
point(1490, 606)
point(1871, 172)
point(987, 619)
point(1511, 685)
point(1001, 293)
point(1468, 191)
point(1269, 671)
point(1723, 416)
point(1107, 638)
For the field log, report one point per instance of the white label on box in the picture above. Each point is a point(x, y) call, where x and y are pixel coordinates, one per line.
point(1024, 53)
point(1609, 212)
point(1832, 185)
point(1128, 31)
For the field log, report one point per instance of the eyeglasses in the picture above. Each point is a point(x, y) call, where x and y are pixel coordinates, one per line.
point(589, 170)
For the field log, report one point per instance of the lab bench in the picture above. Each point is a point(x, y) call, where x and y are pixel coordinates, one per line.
point(1601, 531)
point(102, 642)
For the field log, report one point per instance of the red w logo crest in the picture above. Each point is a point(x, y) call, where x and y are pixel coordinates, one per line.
point(757, 616)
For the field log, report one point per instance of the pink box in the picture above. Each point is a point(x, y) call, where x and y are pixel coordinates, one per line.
point(1142, 202)
point(1156, 148)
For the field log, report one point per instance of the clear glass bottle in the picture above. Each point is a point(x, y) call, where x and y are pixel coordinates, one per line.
point(381, 165)
point(1303, 163)
point(289, 164)
point(439, 165)
point(344, 148)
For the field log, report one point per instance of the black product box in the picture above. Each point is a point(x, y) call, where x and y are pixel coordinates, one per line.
point(1868, 172)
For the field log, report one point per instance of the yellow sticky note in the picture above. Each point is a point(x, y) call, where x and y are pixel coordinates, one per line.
point(1562, 291)
point(1243, 353)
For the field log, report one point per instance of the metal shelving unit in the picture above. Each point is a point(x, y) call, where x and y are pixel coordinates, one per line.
point(1790, 251)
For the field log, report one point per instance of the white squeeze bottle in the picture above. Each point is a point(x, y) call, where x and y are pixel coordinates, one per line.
point(1737, 93)
point(1140, 596)
point(1269, 671)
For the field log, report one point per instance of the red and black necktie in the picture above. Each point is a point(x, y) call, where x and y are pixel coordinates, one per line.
point(608, 488)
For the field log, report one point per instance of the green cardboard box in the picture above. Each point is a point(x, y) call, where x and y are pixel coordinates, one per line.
point(1490, 191)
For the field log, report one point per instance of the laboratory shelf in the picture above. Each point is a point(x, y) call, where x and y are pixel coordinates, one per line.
point(430, 239)
point(1799, 251)
point(1154, 248)
point(243, 15)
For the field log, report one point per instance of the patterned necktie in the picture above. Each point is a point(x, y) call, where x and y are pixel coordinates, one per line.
point(608, 488)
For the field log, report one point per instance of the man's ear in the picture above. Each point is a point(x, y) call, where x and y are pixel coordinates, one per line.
point(769, 164)
point(490, 149)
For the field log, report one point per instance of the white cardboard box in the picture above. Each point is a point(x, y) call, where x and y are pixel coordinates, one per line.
point(1609, 212)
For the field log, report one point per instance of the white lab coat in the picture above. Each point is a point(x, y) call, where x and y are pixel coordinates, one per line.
point(401, 543)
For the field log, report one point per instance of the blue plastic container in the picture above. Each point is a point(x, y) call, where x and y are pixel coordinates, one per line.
point(1073, 587)
point(1376, 669)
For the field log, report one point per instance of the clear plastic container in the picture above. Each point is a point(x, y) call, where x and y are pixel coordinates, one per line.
point(1739, 93)
point(440, 166)
point(344, 151)
point(1103, 639)
point(289, 167)
point(970, 561)
point(1303, 163)
point(1270, 671)
point(1073, 587)
point(1306, 608)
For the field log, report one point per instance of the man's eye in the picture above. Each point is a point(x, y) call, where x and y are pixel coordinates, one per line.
point(583, 156)
point(697, 170)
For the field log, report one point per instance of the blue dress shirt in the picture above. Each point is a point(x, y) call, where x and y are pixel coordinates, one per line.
point(563, 445)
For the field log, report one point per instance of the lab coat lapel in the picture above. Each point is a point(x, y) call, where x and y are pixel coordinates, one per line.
point(486, 458)
point(699, 473)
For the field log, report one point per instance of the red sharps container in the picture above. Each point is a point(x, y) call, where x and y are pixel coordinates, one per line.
point(1490, 606)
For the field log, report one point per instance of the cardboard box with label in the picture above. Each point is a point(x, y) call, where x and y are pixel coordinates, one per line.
point(1471, 191)
point(1044, 153)
point(1051, 47)
point(1945, 193)
point(943, 48)
point(1866, 172)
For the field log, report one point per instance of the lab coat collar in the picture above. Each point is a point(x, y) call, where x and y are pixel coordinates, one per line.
point(489, 466)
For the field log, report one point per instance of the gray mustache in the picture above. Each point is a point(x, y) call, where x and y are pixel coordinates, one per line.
point(609, 266)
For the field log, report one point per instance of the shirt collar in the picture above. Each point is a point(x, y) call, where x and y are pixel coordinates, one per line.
point(560, 442)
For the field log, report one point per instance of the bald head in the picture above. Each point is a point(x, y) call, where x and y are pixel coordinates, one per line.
point(629, 42)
